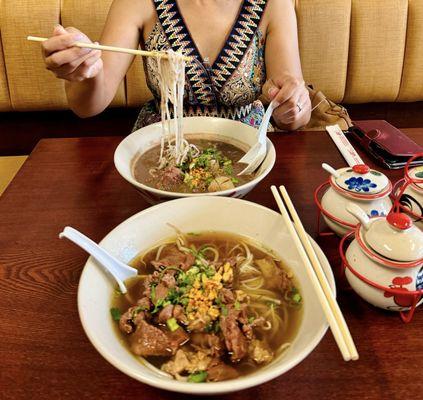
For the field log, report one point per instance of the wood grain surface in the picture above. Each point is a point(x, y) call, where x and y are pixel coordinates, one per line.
point(44, 351)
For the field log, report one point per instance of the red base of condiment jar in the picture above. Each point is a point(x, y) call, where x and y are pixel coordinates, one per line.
point(401, 296)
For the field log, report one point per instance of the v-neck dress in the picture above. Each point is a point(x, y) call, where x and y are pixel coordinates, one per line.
point(231, 86)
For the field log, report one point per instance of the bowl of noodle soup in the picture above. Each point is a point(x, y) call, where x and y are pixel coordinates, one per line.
point(224, 132)
point(189, 222)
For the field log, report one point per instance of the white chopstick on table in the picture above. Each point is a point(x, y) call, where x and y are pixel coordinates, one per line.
point(315, 272)
point(112, 48)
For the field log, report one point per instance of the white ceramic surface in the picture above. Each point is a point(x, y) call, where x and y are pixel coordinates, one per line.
point(377, 182)
point(234, 132)
point(210, 213)
point(395, 244)
point(382, 275)
point(335, 203)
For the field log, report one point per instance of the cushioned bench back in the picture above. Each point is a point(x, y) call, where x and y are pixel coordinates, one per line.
point(356, 51)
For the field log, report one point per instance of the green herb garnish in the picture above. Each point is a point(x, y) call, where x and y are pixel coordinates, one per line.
point(198, 377)
point(116, 313)
point(224, 310)
point(237, 305)
point(297, 298)
point(172, 324)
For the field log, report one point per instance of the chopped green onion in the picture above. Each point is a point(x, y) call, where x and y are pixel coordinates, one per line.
point(224, 310)
point(251, 320)
point(116, 314)
point(198, 377)
point(237, 305)
point(158, 305)
point(297, 298)
point(193, 270)
point(172, 324)
point(153, 293)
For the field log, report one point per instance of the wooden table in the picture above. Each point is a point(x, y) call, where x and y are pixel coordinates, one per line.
point(44, 351)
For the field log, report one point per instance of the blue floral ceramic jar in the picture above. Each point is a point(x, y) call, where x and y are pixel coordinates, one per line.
point(359, 184)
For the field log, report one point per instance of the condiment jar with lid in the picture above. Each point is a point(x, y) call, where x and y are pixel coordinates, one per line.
point(385, 260)
point(411, 195)
point(359, 184)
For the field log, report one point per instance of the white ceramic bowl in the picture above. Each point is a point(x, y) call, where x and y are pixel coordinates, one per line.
point(210, 213)
point(234, 132)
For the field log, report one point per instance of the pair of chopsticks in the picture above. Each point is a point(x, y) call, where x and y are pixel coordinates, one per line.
point(159, 54)
point(317, 276)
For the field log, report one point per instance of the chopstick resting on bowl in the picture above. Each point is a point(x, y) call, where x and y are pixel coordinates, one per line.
point(315, 272)
point(159, 54)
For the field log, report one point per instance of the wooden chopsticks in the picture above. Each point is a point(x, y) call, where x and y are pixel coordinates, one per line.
point(94, 46)
point(315, 272)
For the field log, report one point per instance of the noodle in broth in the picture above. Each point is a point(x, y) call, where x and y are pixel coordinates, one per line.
point(257, 301)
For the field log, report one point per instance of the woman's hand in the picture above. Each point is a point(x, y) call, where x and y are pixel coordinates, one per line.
point(294, 108)
point(68, 62)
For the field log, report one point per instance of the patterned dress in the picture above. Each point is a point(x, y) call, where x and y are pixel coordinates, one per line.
point(231, 86)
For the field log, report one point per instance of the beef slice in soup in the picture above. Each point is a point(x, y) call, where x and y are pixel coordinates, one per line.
point(209, 307)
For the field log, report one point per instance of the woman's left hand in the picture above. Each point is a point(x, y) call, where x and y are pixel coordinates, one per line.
point(294, 108)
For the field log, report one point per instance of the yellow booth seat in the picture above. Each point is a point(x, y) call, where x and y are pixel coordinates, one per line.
point(355, 51)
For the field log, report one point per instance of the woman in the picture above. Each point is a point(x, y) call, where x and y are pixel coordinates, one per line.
point(240, 48)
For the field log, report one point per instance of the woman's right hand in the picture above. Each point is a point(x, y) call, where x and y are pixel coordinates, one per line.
point(68, 62)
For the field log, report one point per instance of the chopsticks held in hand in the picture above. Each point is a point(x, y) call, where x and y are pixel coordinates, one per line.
point(94, 46)
point(315, 272)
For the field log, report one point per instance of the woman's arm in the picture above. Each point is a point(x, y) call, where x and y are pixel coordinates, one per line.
point(94, 77)
point(285, 81)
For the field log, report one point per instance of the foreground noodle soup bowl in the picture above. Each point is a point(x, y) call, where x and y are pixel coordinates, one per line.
point(233, 132)
point(147, 228)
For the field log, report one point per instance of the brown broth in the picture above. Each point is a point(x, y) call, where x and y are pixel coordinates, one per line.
point(148, 160)
point(224, 242)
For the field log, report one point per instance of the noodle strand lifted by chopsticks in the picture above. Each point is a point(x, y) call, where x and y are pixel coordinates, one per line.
point(171, 71)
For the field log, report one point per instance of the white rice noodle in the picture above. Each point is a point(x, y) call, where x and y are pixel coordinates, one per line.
point(171, 76)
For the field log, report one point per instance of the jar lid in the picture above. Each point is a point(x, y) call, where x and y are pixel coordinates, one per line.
point(395, 237)
point(361, 179)
point(416, 174)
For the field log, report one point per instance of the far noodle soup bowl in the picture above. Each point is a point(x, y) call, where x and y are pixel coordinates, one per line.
point(234, 132)
point(144, 230)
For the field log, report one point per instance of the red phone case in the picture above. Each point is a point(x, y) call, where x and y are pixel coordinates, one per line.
point(387, 137)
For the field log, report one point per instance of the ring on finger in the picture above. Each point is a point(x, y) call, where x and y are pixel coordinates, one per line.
point(299, 107)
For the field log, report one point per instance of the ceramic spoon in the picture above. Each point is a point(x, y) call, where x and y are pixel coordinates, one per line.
point(255, 156)
point(360, 214)
point(117, 269)
point(331, 170)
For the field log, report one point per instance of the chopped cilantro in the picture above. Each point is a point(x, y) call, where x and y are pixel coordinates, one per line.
point(251, 320)
point(173, 296)
point(116, 314)
point(198, 377)
point(159, 304)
